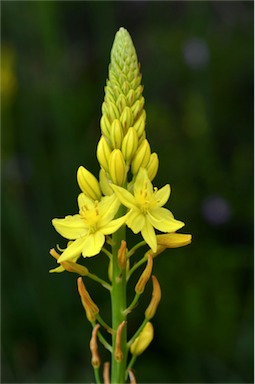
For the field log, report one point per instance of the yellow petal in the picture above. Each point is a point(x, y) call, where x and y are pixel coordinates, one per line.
point(163, 220)
point(113, 225)
point(149, 236)
point(92, 244)
point(58, 269)
point(71, 227)
point(125, 197)
point(85, 200)
point(73, 251)
point(108, 208)
point(162, 195)
point(142, 181)
point(135, 220)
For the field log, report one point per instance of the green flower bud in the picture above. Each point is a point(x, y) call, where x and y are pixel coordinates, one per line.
point(116, 134)
point(117, 167)
point(110, 110)
point(152, 167)
point(139, 125)
point(121, 102)
point(141, 158)
point(131, 97)
point(137, 107)
point(88, 183)
point(105, 126)
point(126, 119)
point(103, 153)
point(129, 144)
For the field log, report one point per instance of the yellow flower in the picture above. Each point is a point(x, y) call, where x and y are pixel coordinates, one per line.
point(89, 227)
point(146, 212)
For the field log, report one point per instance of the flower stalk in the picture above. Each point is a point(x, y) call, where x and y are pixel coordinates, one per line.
point(121, 199)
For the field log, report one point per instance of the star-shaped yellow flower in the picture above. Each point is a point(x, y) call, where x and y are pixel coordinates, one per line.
point(146, 212)
point(89, 227)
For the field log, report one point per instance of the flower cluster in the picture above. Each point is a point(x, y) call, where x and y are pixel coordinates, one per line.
point(122, 196)
point(127, 168)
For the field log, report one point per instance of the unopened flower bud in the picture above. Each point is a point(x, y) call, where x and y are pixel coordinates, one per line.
point(155, 299)
point(103, 153)
point(138, 92)
point(139, 125)
point(116, 134)
point(109, 98)
point(136, 81)
point(139, 288)
point(104, 183)
point(95, 359)
point(105, 126)
point(90, 307)
point(88, 183)
point(117, 167)
point(126, 119)
point(143, 340)
point(111, 111)
point(129, 144)
point(125, 87)
point(173, 240)
point(142, 157)
point(131, 96)
point(121, 102)
point(152, 167)
point(137, 107)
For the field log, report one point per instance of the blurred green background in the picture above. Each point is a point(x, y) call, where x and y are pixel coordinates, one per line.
point(197, 65)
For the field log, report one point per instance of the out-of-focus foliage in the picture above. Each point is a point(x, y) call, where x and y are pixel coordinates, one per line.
point(197, 65)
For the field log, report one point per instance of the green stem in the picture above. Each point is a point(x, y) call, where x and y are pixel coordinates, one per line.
point(97, 375)
point(130, 365)
point(137, 265)
point(118, 299)
point(133, 304)
point(99, 280)
point(137, 332)
point(135, 247)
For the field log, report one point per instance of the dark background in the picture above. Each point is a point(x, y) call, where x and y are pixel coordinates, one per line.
point(197, 65)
